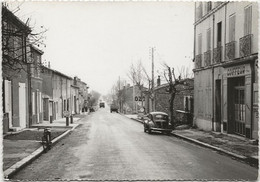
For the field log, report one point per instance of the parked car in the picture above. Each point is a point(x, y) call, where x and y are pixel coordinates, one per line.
point(101, 104)
point(157, 121)
point(113, 108)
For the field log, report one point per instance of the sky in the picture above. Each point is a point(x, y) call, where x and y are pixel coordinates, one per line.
point(98, 41)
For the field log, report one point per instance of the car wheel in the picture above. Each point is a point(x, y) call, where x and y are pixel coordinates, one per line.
point(149, 131)
point(167, 133)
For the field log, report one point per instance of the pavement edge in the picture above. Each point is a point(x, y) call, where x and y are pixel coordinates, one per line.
point(27, 160)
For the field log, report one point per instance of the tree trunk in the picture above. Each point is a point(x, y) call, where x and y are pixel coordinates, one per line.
point(171, 109)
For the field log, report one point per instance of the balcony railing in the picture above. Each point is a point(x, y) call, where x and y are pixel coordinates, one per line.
point(207, 58)
point(230, 50)
point(217, 54)
point(198, 61)
point(245, 45)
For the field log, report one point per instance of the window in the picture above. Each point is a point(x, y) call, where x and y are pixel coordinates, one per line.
point(208, 39)
point(219, 33)
point(188, 104)
point(68, 104)
point(208, 6)
point(64, 102)
point(232, 22)
point(199, 11)
point(248, 20)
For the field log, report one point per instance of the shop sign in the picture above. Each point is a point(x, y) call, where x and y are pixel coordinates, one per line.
point(236, 71)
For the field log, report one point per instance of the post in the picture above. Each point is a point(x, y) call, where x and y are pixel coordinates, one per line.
point(71, 119)
point(67, 120)
point(133, 93)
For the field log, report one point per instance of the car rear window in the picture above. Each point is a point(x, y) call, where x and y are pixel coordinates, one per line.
point(160, 117)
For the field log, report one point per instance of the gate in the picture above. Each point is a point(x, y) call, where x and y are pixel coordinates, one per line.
point(239, 107)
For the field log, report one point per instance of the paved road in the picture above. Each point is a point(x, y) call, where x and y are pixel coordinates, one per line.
point(109, 146)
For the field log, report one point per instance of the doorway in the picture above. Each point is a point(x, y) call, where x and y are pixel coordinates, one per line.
point(218, 105)
point(237, 106)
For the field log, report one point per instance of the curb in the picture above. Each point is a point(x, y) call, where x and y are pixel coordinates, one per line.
point(137, 120)
point(25, 161)
point(252, 160)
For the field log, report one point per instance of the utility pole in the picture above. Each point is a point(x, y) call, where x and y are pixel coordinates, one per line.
point(133, 93)
point(152, 84)
point(119, 95)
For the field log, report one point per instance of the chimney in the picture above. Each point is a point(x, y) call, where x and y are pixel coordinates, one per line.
point(158, 81)
point(75, 81)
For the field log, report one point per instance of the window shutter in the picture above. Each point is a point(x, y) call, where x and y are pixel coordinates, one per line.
point(8, 98)
point(208, 39)
point(33, 103)
point(199, 43)
point(248, 20)
point(232, 25)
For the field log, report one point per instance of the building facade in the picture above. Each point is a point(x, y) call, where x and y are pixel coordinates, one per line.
point(83, 99)
point(14, 72)
point(226, 71)
point(74, 98)
point(56, 94)
point(131, 99)
point(36, 85)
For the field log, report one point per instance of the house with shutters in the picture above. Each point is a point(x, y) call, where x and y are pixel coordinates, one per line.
point(56, 95)
point(82, 95)
point(226, 67)
point(75, 109)
point(36, 85)
point(14, 72)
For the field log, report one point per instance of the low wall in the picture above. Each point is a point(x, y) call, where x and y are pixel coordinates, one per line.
point(183, 117)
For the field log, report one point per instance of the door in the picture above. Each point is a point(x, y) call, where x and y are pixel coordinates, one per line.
point(75, 105)
point(45, 109)
point(50, 111)
point(239, 110)
point(218, 105)
point(22, 105)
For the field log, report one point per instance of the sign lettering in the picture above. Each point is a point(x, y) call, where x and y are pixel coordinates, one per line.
point(236, 71)
point(139, 98)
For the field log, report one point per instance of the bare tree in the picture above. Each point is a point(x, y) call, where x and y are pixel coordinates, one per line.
point(117, 96)
point(17, 39)
point(185, 72)
point(173, 82)
point(138, 75)
point(94, 96)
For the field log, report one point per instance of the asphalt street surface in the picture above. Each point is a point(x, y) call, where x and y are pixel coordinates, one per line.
point(109, 146)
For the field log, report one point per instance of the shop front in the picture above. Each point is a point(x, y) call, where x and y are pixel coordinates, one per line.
point(237, 100)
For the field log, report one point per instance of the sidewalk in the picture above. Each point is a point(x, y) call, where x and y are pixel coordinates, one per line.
point(20, 148)
point(232, 145)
